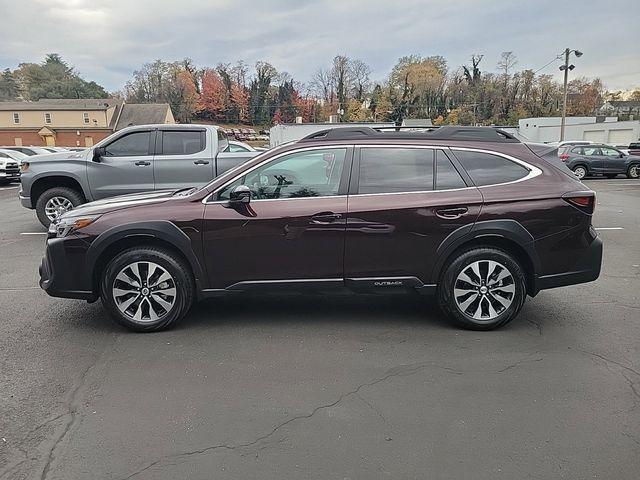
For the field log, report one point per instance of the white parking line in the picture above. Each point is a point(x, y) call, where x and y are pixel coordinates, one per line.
point(9, 188)
point(33, 233)
point(609, 228)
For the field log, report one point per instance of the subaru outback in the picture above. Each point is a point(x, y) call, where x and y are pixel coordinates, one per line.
point(469, 214)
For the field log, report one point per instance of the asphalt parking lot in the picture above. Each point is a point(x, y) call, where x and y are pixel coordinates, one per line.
point(315, 387)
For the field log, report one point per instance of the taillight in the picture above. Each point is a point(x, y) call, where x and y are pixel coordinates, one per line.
point(584, 201)
point(564, 157)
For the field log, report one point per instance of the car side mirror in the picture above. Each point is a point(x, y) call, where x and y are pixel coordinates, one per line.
point(98, 153)
point(240, 194)
point(621, 155)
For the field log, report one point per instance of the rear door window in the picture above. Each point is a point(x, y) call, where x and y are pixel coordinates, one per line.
point(394, 170)
point(447, 177)
point(489, 169)
point(590, 151)
point(183, 142)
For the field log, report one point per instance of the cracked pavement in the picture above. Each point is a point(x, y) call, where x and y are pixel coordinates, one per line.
point(310, 387)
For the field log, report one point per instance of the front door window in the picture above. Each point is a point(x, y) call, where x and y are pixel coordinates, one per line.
point(309, 173)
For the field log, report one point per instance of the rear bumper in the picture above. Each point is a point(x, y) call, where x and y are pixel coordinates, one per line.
point(59, 276)
point(587, 269)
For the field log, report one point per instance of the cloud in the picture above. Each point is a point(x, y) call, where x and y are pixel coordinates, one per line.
point(107, 40)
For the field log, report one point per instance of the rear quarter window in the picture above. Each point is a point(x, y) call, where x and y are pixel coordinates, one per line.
point(490, 169)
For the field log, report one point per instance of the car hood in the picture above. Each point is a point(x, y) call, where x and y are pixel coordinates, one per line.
point(123, 201)
point(47, 157)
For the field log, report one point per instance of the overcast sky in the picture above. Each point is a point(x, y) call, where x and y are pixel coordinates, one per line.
point(107, 40)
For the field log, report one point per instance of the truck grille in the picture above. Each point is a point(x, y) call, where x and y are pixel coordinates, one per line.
point(12, 168)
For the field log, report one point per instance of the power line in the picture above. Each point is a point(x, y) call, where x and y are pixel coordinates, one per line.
point(546, 65)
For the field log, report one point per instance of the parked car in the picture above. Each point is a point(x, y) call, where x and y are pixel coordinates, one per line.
point(14, 154)
point(634, 148)
point(235, 146)
point(135, 159)
point(29, 150)
point(9, 169)
point(598, 159)
point(469, 214)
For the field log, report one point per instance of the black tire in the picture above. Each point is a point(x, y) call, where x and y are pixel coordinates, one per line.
point(577, 171)
point(76, 198)
point(634, 171)
point(182, 280)
point(463, 261)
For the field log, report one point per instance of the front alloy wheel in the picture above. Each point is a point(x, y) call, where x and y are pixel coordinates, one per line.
point(56, 206)
point(147, 289)
point(144, 291)
point(634, 171)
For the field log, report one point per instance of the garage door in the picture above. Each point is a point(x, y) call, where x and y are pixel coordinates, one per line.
point(621, 137)
point(593, 135)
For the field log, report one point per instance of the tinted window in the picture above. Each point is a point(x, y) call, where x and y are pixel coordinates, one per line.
point(136, 143)
point(488, 169)
point(446, 174)
point(313, 173)
point(183, 142)
point(577, 150)
point(389, 170)
point(610, 152)
point(591, 151)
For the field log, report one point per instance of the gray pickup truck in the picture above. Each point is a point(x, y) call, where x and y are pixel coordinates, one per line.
point(135, 159)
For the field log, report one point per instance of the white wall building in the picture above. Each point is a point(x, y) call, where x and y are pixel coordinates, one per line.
point(609, 130)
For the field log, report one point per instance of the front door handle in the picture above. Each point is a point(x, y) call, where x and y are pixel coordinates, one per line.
point(201, 162)
point(325, 217)
point(143, 163)
point(451, 213)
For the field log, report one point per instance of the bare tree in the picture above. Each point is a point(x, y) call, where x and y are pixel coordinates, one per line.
point(507, 62)
point(322, 84)
point(360, 72)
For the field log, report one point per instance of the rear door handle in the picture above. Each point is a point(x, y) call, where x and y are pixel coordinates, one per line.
point(143, 163)
point(450, 213)
point(325, 217)
point(201, 162)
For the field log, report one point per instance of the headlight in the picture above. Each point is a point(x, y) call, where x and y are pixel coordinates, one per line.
point(64, 226)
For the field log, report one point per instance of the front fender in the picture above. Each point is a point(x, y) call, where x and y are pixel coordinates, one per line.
point(158, 229)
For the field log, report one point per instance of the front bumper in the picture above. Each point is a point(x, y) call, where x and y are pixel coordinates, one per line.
point(63, 275)
point(586, 269)
point(4, 175)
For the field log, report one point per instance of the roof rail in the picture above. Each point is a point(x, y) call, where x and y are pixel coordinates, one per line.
point(446, 132)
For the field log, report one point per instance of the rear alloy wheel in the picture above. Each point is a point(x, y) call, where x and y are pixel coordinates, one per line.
point(580, 172)
point(482, 289)
point(147, 289)
point(634, 171)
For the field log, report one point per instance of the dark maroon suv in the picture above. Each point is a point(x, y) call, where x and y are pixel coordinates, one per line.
point(467, 213)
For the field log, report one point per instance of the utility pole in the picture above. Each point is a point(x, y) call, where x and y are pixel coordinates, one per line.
point(566, 67)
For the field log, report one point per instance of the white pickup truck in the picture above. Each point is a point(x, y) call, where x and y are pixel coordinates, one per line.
point(135, 159)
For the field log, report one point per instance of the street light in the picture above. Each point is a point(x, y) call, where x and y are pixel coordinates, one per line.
point(565, 68)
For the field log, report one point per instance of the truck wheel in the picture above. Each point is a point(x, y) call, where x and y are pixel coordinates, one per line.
point(147, 289)
point(482, 289)
point(56, 201)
